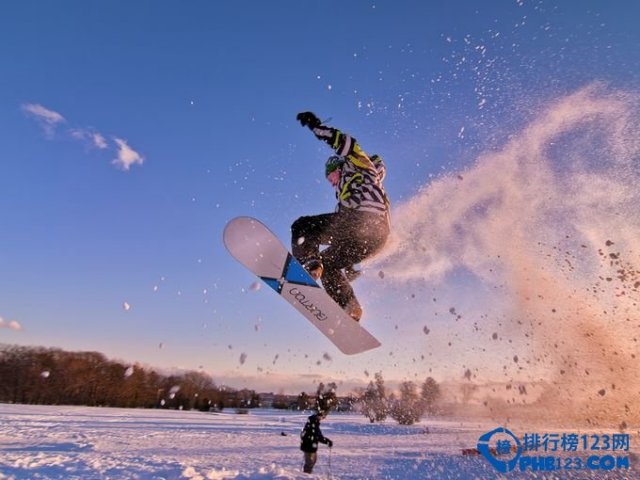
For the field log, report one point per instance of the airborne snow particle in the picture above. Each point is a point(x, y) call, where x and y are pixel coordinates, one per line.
point(300, 240)
point(45, 374)
point(602, 392)
point(126, 306)
point(327, 357)
point(494, 336)
point(128, 372)
point(426, 330)
point(255, 286)
point(243, 358)
point(381, 274)
point(515, 358)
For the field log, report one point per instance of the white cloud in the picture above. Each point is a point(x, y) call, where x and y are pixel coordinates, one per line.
point(127, 156)
point(13, 325)
point(99, 141)
point(48, 119)
point(94, 139)
point(78, 134)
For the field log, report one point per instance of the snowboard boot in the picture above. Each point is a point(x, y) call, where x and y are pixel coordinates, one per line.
point(315, 268)
point(354, 309)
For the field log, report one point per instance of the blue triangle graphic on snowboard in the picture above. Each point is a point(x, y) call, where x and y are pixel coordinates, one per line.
point(273, 283)
point(295, 273)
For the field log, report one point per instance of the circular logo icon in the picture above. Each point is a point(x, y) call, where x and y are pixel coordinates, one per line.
point(503, 446)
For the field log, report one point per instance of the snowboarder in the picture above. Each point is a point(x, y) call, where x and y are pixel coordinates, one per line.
point(310, 436)
point(356, 230)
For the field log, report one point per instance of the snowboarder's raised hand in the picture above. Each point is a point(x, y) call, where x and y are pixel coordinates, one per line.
point(308, 119)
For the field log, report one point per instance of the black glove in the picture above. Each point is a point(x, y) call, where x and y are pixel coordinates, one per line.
point(308, 119)
point(329, 443)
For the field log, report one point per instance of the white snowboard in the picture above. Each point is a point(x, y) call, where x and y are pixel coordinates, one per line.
point(258, 249)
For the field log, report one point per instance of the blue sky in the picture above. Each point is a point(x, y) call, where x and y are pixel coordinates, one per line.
point(133, 131)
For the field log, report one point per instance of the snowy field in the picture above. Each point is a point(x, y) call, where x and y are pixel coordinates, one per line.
point(45, 442)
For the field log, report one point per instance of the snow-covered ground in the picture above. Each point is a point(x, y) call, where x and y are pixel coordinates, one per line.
point(47, 442)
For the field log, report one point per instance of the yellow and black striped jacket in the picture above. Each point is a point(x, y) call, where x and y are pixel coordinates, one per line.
point(360, 186)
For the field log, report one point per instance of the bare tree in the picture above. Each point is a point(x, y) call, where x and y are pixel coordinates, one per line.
point(326, 398)
point(430, 393)
point(374, 400)
point(408, 409)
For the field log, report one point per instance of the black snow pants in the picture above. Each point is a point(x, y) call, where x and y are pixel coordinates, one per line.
point(351, 236)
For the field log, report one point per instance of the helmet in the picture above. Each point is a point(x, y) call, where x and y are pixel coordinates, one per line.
point(333, 162)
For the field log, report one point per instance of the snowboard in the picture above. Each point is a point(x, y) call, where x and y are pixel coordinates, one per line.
point(258, 249)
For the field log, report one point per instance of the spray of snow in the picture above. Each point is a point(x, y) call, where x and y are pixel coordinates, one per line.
point(552, 221)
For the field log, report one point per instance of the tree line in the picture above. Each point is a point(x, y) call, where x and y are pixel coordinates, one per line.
point(37, 375)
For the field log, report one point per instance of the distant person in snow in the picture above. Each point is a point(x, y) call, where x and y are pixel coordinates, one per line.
point(356, 230)
point(310, 436)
